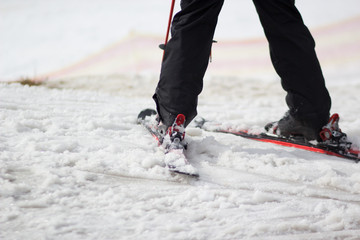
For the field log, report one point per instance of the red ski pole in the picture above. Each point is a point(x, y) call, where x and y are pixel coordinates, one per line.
point(169, 24)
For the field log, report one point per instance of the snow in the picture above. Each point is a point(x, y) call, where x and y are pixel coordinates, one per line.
point(74, 164)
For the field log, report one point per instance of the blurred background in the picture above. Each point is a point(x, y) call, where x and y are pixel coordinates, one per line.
point(96, 40)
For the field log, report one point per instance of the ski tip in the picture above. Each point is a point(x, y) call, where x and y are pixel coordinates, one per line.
point(186, 169)
point(176, 162)
point(146, 113)
point(185, 173)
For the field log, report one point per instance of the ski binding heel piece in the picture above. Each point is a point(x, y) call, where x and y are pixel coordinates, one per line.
point(332, 135)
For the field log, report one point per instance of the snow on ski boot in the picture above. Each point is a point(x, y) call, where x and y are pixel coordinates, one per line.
point(171, 139)
point(175, 146)
point(332, 136)
point(290, 127)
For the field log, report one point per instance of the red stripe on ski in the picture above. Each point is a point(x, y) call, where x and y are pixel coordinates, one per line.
point(283, 142)
point(298, 146)
point(156, 138)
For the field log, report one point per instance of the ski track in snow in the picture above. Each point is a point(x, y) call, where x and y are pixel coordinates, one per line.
point(75, 165)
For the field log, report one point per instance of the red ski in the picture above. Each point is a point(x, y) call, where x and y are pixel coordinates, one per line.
point(343, 150)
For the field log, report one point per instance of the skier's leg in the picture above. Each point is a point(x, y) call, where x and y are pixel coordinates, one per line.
point(294, 58)
point(186, 59)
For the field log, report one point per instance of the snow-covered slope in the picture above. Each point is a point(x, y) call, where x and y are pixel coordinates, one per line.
point(75, 165)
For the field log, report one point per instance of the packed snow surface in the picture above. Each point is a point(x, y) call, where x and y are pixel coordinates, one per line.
point(74, 163)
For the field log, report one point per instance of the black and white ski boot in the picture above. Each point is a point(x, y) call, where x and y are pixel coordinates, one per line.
point(290, 127)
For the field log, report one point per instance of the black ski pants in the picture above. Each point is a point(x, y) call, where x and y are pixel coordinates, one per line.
point(291, 49)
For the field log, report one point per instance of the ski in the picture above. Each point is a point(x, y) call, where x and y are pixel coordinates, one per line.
point(174, 159)
point(342, 150)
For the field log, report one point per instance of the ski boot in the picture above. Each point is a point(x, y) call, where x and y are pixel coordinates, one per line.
point(170, 137)
point(290, 127)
